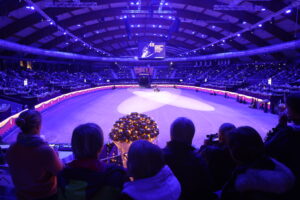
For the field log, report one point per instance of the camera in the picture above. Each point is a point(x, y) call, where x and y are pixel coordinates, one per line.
point(212, 139)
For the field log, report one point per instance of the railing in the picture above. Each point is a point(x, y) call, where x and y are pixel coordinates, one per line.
point(9, 123)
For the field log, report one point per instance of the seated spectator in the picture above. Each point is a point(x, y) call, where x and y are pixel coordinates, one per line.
point(284, 143)
point(257, 176)
point(32, 163)
point(188, 167)
point(218, 157)
point(87, 177)
point(152, 179)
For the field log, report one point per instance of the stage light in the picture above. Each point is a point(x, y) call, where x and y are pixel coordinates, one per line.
point(79, 25)
point(132, 3)
point(161, 16)
point(170, 17)
point(244, 22)
point(259, 25)
point(65, 33)
point(167, 4)
point(238, 35)
point(288, 11)
point(263, 9)
point(213, 26)
point(160, 26)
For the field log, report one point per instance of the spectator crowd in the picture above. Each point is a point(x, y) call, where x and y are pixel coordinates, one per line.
point(237, 165)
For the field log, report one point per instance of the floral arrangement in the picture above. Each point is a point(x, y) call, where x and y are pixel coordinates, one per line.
point(134, 127)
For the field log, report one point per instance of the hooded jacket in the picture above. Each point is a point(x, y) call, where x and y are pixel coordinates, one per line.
point(33, 166)
point(163, 186)
point(259, 184)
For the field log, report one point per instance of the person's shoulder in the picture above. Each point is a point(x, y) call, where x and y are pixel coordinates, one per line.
point(112, 168)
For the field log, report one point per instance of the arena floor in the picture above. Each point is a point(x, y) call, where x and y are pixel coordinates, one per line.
point(105, 107)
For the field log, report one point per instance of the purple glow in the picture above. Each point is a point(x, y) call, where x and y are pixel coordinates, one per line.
point(260, 25)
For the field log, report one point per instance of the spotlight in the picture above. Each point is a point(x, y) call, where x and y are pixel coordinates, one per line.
point(288, 11)
point(244, 22)
point(238, 35)
point(259, 25)
point(263, 9)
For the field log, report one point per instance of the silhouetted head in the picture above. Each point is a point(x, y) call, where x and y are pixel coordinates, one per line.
point(183, 130)
point(144, 159)
point(293, 107)
point(29, 122)
point(245, 145)
point(223, 132)
point(87, 141)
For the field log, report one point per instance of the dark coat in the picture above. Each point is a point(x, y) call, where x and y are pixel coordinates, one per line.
point(220, 164)
point(91, 179)
point(284, 146)
point(190, 170)
point(265, 179)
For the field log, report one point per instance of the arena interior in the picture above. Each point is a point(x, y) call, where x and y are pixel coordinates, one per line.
point(171, 76)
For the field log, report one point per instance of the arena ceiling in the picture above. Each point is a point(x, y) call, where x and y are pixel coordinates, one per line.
point(115, 27)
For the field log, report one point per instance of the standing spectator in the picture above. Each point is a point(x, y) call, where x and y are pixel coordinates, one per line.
point(32, 163)
point(284, 143)
point(257, 176)
point(152, 179)
point(188, 167)
point(87, 177)
point(218, 158)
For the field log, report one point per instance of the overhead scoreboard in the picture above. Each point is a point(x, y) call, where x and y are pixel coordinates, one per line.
point(152, 50)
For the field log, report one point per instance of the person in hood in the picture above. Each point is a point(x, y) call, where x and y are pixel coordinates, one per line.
point(152, 179)
point(284, 143)
point(257, 176)
point(32, 163)
point(87, 177)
